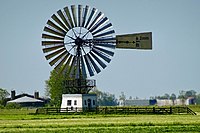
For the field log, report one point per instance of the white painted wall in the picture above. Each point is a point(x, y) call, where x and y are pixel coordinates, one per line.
point(82, 100)
point(72, 97)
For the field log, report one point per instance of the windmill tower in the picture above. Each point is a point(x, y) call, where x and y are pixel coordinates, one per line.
point(79, 42)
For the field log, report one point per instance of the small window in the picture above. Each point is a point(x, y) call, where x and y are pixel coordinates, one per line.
point(75, 102)
point(69, 102)
point(93, 102)
point(85, 102)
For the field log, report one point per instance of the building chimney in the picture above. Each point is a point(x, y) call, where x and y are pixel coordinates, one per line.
point(36, 95)
point(12, 94)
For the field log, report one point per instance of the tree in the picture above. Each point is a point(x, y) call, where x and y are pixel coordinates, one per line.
point(190, 93)
point(198, 99)
point(173, 98)
point(59, 84)
point(54, 87)
point(186, 94)
point(104, 98)
point(3, 94)
point(181, 94)
point(165, 96)
point(122, 96)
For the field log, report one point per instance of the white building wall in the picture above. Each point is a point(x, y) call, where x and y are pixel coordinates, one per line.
point(134, 102)
point(73, 98)
point(179, 102)
point(121, 102)
point(81, 100)
point(164, 102)
point(137, 102)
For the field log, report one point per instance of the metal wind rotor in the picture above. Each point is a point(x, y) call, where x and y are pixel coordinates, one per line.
point(79, 41)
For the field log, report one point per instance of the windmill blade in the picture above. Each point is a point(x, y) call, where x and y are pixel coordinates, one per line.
point(83, 68)
point(93, 35)
point(80, 14)
point(88, 65)
point(48, 49)
point(105, 34)
point(45, 36)
point(53, 32)
point(101, 55)
point(91, 16)
point(107, 45)
point(104, 51)
point(135, 41)
point(58, 58)
point(101, 29)
point(85, 15)
point(69, 16)
point(73, 8)
point(55, 53)
point(58, 66)
point(97, 69)
point(55, 18)
point(49, 22)
point(99, 15)
point(44, 43)
point(66, 65)
point(103, 65)
point(63, 19)
point(102, 21)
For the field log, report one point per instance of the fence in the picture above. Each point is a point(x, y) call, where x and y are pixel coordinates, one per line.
point(118, 110)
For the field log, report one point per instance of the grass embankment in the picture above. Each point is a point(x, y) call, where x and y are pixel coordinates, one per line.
point(12, 121)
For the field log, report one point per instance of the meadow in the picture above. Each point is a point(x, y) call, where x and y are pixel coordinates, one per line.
point(24, 120)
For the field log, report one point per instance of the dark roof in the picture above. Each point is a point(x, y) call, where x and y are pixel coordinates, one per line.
point(45, 100)
point(25, 94)
point(25, 99)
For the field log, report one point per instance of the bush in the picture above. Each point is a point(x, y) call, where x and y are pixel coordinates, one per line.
point(1, 106)
point(13, 106)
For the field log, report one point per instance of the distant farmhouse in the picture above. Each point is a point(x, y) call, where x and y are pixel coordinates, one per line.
point(169, 102)
point(158, 102)
point(26, 100)
point(137, 102)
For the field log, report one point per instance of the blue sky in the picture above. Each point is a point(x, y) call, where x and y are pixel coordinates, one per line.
point(171, 66)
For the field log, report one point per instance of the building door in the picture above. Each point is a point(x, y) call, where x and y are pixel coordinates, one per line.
point(89, 104)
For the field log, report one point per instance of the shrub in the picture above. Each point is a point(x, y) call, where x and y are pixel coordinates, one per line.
point(13, 106)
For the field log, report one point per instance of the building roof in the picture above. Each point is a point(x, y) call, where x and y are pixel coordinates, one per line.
point(78, 95)
point(25, 99)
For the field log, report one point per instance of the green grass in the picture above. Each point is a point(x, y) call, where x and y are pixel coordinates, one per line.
point(195, 108)
point(21, 121)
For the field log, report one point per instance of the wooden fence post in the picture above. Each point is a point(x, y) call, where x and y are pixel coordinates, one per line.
point(154, 110)
point(170, 110)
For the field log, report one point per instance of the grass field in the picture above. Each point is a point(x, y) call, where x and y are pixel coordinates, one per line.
point(20, 121)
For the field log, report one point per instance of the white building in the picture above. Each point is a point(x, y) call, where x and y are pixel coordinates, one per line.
point(78, 102)
point(181, 102)
point(134, 102)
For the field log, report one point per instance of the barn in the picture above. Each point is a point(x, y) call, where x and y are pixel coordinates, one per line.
point(27, 100)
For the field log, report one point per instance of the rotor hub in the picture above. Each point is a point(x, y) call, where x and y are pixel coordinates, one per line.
point(79, 41)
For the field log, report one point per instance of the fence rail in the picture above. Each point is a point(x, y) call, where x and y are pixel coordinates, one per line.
point(118, 110)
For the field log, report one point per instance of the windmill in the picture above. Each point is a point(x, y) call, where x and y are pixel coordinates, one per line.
point(79, 41)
